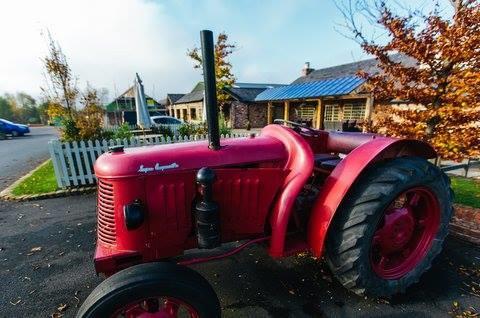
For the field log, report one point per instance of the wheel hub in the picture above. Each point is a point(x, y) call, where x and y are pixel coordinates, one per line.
point(397, 231)
point(165, 307)
point(405, 233)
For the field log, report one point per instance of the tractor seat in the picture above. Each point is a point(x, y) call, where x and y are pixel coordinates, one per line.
point(330, 164)
point(319, 158)
point(325, 162)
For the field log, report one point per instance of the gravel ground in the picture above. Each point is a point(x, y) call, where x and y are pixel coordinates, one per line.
point(46, 250)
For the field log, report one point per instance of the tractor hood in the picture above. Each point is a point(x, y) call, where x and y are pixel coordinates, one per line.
point(162, 159)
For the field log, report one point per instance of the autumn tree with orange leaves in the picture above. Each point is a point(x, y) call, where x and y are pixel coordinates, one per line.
point(440, 90)
point(223, 68)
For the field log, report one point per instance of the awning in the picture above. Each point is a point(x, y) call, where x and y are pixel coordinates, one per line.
point(323, 88)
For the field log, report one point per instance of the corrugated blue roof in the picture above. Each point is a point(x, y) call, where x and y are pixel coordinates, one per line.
point(330, 87)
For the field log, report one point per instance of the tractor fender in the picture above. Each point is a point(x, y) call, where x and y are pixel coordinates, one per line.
point(342, 178)
point(299, 165)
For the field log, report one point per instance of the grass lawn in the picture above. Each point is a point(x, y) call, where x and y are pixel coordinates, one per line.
point(41, 181)
point(467, 191)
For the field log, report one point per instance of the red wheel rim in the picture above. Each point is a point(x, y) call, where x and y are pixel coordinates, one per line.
point(405, 233)
point(157, 307)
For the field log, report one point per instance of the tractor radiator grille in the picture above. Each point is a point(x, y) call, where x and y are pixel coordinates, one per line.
point(105, 213)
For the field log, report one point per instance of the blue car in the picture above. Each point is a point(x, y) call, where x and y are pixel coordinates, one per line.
point(7, 127)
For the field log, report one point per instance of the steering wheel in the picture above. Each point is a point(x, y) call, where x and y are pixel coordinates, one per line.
point(296, 126)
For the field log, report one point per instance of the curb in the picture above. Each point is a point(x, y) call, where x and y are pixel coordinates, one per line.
point(7, 195)
point(48, 195)
point(465, 224)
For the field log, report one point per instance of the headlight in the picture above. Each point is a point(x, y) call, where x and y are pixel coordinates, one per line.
point(134, 214)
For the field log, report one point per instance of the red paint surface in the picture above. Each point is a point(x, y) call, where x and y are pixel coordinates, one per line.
point(249, 174)
point(405, 233)
point(300, 166)
point(157, 306)
point(189, 156)
point(258, 180)
point(342, 178)
point(223, 255)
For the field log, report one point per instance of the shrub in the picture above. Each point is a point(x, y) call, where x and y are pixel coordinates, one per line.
point(123, 132)
point(223, 126)
point(165, 131)
point(188, 129)
point(107, 134)
point(69, 130)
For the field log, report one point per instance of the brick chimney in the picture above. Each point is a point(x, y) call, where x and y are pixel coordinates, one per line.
point(306, 69)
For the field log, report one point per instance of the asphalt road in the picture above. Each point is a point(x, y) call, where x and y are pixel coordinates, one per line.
point(19, 155)
point(46, 250)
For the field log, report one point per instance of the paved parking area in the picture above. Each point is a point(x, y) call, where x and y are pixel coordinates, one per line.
point(19, 155)
point(46, 250)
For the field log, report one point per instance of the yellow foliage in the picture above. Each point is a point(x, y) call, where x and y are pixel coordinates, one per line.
point(445, 80)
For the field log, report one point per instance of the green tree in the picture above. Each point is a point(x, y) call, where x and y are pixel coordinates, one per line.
point(61, 86)
point(6, 111)
point(27, 111)
point(62, 96)
point(43, 112)
point(89, 120)
point(223, 68)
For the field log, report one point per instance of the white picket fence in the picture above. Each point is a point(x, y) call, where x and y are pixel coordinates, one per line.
point(73, 161)
point(172, 127)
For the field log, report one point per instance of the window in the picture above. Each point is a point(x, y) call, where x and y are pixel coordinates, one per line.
point(354, 111)
point(193, 113)
point(178, 113)
point(332, 112)
point(306, 112)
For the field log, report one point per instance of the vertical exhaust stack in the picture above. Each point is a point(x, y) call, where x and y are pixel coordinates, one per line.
point(208, 63)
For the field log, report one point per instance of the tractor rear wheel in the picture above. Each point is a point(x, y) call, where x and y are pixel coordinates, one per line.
point(390, 226)
point(152, 290)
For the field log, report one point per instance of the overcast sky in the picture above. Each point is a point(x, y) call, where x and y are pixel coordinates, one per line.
point(107, 41)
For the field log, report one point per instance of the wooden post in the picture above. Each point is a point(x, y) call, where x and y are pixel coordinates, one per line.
point(319, 115)
point(269, 113)
point(369, 108)
point(286, 110)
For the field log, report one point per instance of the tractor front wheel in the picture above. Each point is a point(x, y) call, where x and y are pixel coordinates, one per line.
point(390, 226)
point(152, 290)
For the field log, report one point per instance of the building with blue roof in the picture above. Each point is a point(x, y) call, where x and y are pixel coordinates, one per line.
point(326, 98)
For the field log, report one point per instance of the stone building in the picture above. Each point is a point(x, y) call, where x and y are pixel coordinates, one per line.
point(241, 111)
point(189, 106)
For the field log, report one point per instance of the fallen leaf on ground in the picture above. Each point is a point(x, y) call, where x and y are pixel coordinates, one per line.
point(15, 302)
point(62, 307)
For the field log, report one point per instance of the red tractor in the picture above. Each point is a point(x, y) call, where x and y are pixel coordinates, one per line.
point(373, 206)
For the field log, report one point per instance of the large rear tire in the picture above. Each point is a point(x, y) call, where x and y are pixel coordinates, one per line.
point(151, 290)
point(390, 226)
